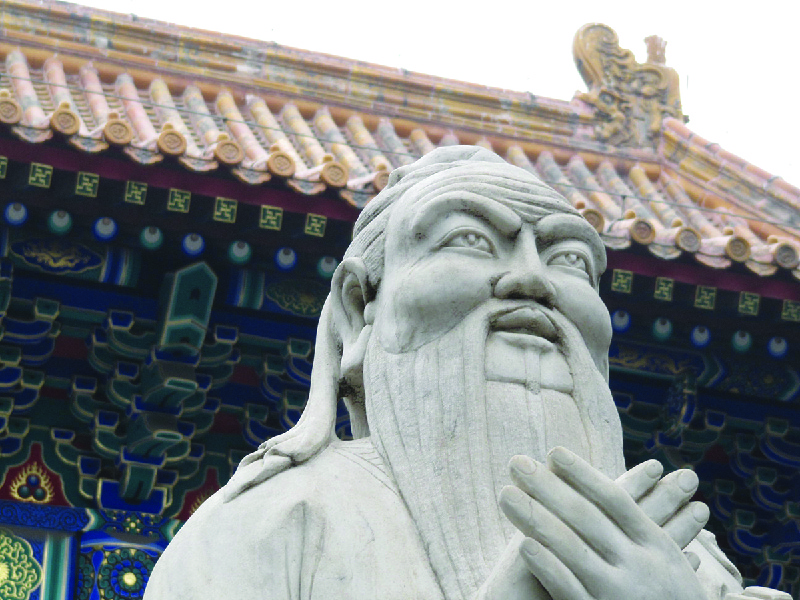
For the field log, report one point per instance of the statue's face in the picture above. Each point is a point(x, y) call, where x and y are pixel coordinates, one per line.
point(450, 253)
point(476, 353)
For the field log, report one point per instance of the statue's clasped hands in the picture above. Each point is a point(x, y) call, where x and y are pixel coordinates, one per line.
point(590, 537)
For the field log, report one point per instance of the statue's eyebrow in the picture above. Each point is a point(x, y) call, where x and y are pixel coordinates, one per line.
point(559, 227)
point(502, 218)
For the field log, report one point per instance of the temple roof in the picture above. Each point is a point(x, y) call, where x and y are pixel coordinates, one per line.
point(271, 115)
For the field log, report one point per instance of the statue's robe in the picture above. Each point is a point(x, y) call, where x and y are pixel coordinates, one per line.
point(333, 528)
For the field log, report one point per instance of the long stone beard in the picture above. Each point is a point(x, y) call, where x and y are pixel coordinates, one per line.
point(447, 435)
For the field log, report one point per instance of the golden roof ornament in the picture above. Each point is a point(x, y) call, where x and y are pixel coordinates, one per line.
point(631, 99)
point(656, 50)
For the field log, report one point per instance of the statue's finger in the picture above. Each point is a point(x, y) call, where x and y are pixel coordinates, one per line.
point(641, 478)
point(670, 495)
point(693, 559)
point(608, 497)
point(555, 577)
point(570, 507)
point(564, 545)
point(687, 523)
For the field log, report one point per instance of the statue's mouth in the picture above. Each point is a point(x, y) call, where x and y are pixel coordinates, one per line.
point(525, 320)
point(523, 346)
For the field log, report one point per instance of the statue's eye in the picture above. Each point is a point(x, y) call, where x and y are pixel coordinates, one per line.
point(470, 240)
point(573, 260)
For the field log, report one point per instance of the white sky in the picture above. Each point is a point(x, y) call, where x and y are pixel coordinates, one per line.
point(738, 82)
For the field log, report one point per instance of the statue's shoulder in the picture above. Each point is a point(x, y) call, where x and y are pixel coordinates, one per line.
point(334, 524)
point(299, 507)
point(339, 475)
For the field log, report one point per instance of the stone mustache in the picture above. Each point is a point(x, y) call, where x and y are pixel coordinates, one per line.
point(465, 333)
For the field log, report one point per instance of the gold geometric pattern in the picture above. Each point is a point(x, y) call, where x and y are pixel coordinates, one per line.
point(622, 281)
point(664, 287)
point(225, 210)
point(315, 225)
point(748, 303)
point(40, 175)
point(705, 297)
point(123, 574)
point(87, 184)
point(135, 192)
point(179, 200)
point(133, 524)
point(20, 573)
point(3, 166)
point(271, 218)
point(791, 311)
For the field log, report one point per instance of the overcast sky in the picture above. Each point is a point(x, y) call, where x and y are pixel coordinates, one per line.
point(739, 82)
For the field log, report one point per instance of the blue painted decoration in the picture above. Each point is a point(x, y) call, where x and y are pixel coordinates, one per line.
point(621, 321)
point(193, 244)
point(286, 259)
point(701, 336)
point(105, 229)
point(15, 214)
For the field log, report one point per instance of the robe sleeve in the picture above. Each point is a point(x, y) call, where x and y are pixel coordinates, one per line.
point(720, 579)
point(759, 593)
point(718, 576)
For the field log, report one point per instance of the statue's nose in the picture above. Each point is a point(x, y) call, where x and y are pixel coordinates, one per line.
point(527, 278)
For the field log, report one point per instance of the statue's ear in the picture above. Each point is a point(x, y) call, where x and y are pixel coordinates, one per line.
point(352, 318)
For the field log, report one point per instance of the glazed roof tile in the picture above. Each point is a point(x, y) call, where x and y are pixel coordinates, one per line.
point(269, 114)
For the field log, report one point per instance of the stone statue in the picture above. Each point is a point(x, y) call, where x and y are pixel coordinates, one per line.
point(463, 328)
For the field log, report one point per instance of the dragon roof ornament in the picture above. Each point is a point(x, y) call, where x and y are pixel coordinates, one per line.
point(631, 99)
